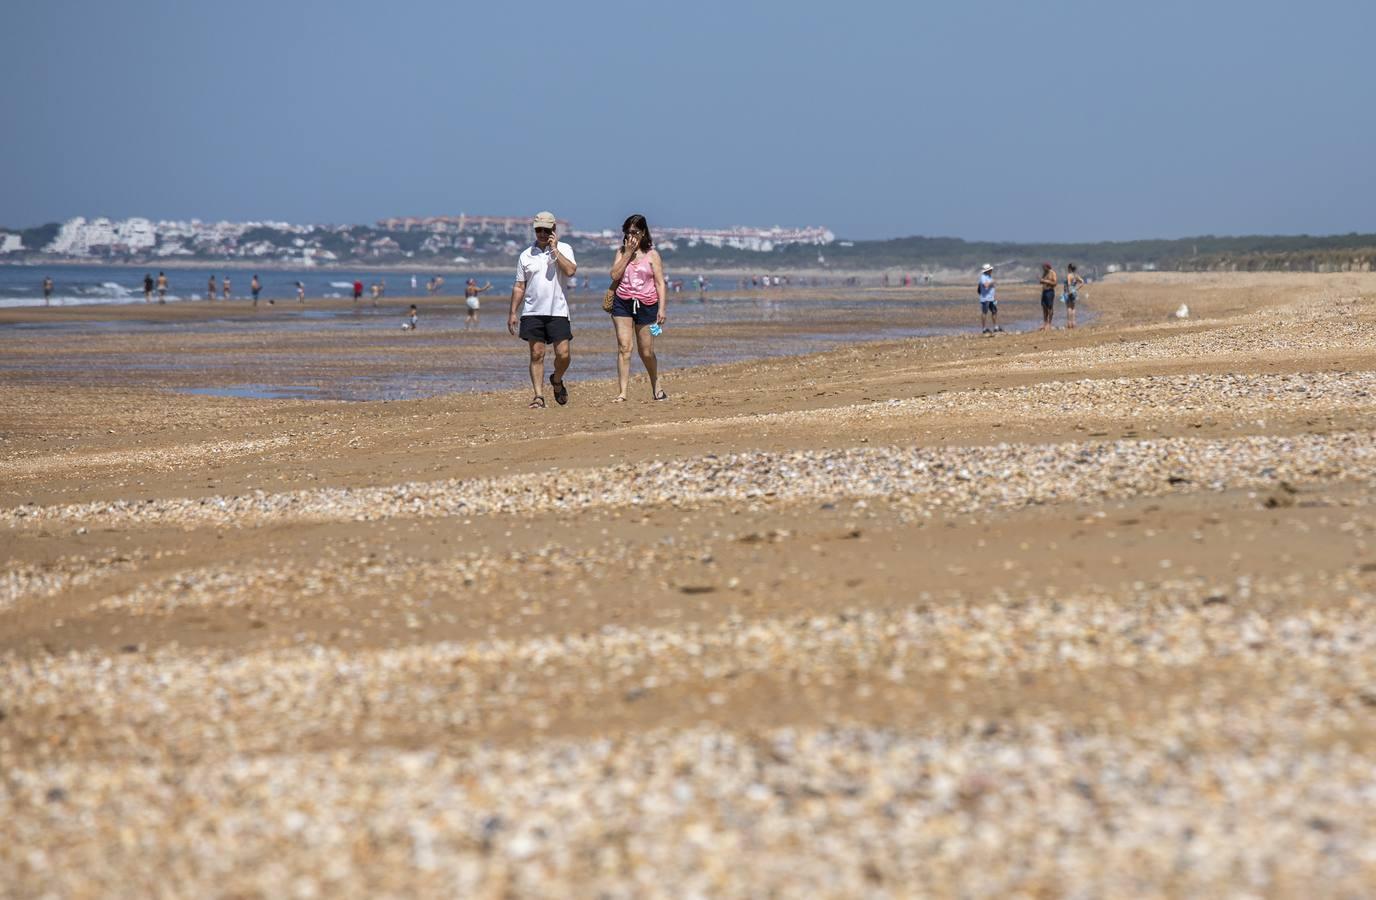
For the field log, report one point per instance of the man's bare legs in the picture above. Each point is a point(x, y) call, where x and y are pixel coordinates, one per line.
point(537, 365)
point(537, 368)
point(561, 362)
point(623, 328)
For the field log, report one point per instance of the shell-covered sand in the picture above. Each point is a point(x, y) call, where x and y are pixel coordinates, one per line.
point(1085, 613)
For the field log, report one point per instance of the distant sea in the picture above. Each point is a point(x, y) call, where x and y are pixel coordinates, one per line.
point(23, 285)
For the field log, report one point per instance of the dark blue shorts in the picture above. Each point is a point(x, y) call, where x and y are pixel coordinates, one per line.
point(988, 306)
point(646, 315)
point(1048, 298)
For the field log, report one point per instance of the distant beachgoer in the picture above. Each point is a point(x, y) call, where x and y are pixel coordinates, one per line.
point(413, 282)
point(382, 287)
point(300, 292)
point(148, 287)
point(702, 288)
point(470, 295)
point(210, 291)
point(639, 303)
point(376, 290)
point(358, 291)
point(47, 289)
point(256, 287)
point(988, 301)
point(411, 318)
point(1048, 284)
point(439, 283)
point(541, 293)
point(1072, 293)
point(162, 287)
point(226, 293)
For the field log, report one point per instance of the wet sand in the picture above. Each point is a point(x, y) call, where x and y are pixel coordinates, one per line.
point(1080, 612)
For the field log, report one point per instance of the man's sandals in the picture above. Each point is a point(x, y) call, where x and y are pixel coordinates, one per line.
point(561, 393)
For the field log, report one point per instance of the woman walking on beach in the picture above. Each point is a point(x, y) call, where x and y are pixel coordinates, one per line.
point(638, 303)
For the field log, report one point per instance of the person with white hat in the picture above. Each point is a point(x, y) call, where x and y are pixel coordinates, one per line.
point(988, 301)
point(541, 294)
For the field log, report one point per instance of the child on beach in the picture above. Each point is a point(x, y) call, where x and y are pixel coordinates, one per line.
point(410, 323)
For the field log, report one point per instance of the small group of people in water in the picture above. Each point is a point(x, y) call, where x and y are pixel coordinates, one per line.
point(989, 304)
point(637, 302)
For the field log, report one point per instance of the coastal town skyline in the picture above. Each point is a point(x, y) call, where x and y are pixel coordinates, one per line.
point(310, 244)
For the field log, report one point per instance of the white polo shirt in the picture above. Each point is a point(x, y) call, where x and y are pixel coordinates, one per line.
point(546, 284)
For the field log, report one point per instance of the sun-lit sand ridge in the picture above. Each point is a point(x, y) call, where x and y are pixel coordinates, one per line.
point(1086, 612)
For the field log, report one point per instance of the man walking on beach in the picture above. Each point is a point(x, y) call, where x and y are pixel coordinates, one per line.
point(988, 301)
point(541, 293)
point(1048, 284)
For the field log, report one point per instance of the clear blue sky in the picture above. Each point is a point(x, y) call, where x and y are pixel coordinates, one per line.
point(1001, 119)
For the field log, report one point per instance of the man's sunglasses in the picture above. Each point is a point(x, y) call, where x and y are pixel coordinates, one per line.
point(544, 231)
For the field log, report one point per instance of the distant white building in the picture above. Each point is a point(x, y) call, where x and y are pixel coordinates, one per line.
point(11, 243)
point(78, 237)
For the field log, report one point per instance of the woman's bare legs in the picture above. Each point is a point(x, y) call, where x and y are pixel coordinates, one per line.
point(645, 343)
point(622, 326)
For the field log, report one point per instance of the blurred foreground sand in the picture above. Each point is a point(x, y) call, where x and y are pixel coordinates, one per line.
point(1083, 612)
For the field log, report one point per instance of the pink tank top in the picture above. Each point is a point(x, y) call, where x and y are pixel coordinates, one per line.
point(638, 283)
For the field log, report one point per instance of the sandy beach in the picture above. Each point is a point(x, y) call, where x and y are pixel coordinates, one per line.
point(1084, 612)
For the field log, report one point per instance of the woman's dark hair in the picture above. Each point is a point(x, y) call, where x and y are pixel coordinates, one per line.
point(638, 221)
point(1071, 267)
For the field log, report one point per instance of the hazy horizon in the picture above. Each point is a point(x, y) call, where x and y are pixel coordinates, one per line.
point(1070, 122)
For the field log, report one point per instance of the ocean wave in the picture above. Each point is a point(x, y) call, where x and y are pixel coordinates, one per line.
point(105, 289)
point(346, 285)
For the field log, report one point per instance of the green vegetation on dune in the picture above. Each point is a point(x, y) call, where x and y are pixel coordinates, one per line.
point(916, 254)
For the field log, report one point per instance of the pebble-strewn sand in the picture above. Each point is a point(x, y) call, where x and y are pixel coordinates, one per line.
point(1086, 614)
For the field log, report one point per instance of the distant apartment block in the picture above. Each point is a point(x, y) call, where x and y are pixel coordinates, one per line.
point(466, 224)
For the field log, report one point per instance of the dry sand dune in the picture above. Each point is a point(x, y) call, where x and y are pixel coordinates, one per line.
point(1087, 613)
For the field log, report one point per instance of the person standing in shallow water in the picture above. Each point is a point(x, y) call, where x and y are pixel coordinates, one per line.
point(639, 303)
point(471, 293)
point(225, 282)
point(210, 291)
point(162, 287)
point(256, 287)
point(1048, 284)
point(147, 287)
point(47, 289)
